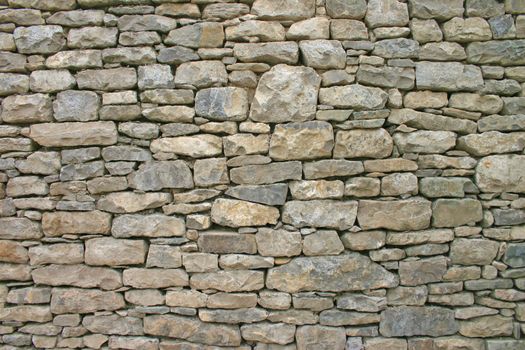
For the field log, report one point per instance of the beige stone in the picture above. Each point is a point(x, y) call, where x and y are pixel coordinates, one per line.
point(236, 213)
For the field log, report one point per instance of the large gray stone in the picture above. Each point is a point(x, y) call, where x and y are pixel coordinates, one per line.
point(456, 212)
point(229, 281)
point(320, 213)
point(515, 255)
point(274, 194)
point(223, 104)
point(74, 300)
point(349, 272)
point(156, 175)
point(39, 39)
point(278, 242)
point(440, 10)
point(500, 52)
point(286, 93)
point(266, 173)
point(74, 105)
point(448, 76)
point(423, 141)
point(408, 321)
point(492, 142)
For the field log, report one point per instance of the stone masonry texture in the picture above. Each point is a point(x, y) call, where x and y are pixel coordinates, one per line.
point(262, 174)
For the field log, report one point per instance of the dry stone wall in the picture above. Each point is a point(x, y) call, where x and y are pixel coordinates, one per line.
point(262, 174)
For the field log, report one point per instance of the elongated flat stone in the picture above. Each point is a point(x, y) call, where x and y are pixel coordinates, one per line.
point(348, 272)
point(74, 134)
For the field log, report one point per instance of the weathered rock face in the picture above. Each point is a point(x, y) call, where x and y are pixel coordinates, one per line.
point(307, 140)
point(192, 330)
point(413, 320)
point(320, 213)
point(500, 173)
point(351, 272)
point(286, 93)
point(262, 174)
point(411, 214)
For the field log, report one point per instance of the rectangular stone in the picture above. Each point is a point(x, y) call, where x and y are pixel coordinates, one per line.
point(74, 134)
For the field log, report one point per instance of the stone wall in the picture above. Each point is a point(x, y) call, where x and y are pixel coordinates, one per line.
point(262, 174)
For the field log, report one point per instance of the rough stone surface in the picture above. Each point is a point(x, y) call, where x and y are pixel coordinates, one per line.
point(262, 174)
point(280, 98)
point(350, 272)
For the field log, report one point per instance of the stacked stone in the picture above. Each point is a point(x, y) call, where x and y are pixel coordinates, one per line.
point(262, 174)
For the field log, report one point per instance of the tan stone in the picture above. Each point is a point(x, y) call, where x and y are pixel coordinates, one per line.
point(60, 223)
point(363, 143)
point(401, 215)
point(154, 278)
point(192, 329)
point(307, 140)
point(229, 281)
point(78, 276)
point(113, 252)
point(236, 213)
point(74, 300)
point(74, 134)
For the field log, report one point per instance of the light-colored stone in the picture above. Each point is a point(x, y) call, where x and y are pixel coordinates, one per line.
point(448, 76)
point(306, 140)
point(130, 202)
point(154, 277)
point(199, 146)
point(423, 141)
point(286, 10)
point(26, 109)
point(278, 242)
point(456, 212)
point(320, 213)
point(386, 13)
point(74, 134)
point(236, 213)
point(353, 96)
point(399, 215)
point(349, 272)
point(286, 93)
point(74, 300)
point(201, 74)
point(81, 276)
point(323, 54)
point(39, 39)
point(320, 337)
point(363, 143)
point(113, 252)
point(206, 34)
